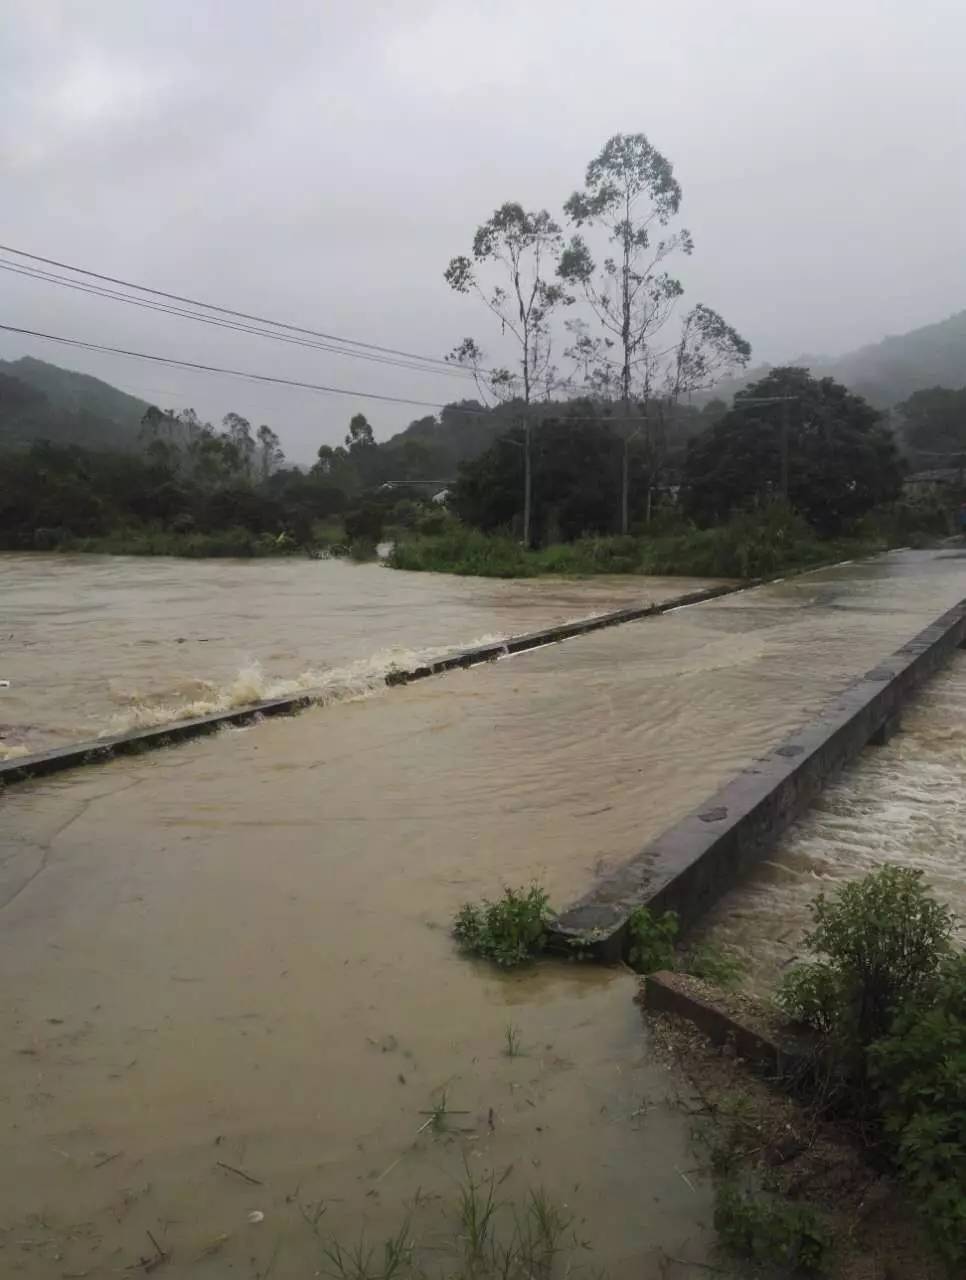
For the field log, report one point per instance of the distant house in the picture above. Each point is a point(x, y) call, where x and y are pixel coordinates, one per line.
point(942, 482)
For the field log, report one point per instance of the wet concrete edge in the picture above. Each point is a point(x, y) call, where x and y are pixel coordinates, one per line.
point(689, 866)
point(782, 1054)
point(74, 755)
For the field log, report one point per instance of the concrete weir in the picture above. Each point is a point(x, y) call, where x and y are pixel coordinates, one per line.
point(692, 863)
point(57, 759)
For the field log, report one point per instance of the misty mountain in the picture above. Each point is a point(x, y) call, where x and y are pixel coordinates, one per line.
point(44, 401)
point(885, 372)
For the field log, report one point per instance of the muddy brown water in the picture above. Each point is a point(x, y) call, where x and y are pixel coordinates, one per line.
point(237, 950)
point(101, 644)
point(904, 803)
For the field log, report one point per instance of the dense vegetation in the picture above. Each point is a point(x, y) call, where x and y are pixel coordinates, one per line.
point(887, 991)
point(192, 490)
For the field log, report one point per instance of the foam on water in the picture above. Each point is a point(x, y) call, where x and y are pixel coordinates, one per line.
point(251, 684)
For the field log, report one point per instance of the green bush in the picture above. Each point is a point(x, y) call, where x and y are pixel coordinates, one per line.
point(464, 551)
point(365, 522)
point(880, 940)
point(509, 931)
point(652, 940)
point(752, 544)
point(920, 1071)
point(770, 1231)
point(812, 994)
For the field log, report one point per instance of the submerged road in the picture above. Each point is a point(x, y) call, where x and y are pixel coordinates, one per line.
point(239, 950)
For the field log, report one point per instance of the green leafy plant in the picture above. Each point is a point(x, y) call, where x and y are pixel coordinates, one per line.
point(920, 1071)
point(770, 1231)
point(652, 940)
point(880, 940)
point(812, 994)
point(713, 964)
point(509, 931)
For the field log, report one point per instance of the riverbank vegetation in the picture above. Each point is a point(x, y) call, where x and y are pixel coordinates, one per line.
point(879, 1101)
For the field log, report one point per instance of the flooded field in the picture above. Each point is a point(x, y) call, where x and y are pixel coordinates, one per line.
point(98, 644)
point(234, 955)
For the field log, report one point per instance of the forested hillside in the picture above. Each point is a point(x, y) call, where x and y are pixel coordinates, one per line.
point(41, 401)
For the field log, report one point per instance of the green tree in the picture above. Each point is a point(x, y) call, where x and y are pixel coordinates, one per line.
point(518, 250)
point(933, 423)
point(270, 453)
point(842, 459)
point(576, 464)
point(631, 195)
point(360, 435)
point(238, 432)
point(336, 469)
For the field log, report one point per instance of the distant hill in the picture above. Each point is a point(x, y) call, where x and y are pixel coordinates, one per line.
point(41, 401)
point(889, 371)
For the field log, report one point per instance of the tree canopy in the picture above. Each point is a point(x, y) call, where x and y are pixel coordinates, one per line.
point(933, 424)
point(842, 459)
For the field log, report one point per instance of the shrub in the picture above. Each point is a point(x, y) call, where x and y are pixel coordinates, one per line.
point(770, 1231)
point(881, 939)
point(366, 522)
point(652, 940)
point(920, 1071)
point(509, 931)
point(811, 994)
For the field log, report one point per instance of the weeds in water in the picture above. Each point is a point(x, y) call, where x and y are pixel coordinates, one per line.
point(477, 1208)
point(363, 1261)
point(485, 1239)
point(652, 940)
point(542, 1234)
point(509, 931)
point(514, 1046)
point(713, 964)
point(439, 1114)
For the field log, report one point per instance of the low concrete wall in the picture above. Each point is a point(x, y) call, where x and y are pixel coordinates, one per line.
point(782, 1052)
point(688, 867)
point(57, 759)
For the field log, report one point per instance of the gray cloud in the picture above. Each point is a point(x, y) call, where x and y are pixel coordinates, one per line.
point(321, 162)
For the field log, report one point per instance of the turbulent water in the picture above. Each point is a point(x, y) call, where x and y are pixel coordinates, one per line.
point(903, 803)
point(99, 644)
point(238, 950)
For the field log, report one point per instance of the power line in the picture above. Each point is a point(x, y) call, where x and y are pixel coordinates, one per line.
point(98, 291)
point(277, 380)
point(235, 373)
point(228, 311)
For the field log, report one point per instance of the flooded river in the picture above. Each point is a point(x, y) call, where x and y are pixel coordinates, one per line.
point(903, 803)
point(236, 952)
point(99, 644)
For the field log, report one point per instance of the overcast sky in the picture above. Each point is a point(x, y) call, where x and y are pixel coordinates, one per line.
point(320, 162)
